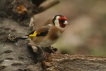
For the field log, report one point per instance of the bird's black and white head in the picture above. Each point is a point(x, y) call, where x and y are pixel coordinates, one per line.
point(60, 21)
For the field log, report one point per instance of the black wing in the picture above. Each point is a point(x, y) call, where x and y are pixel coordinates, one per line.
point(42, 33)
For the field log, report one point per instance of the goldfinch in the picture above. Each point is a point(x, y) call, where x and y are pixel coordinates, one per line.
point(49, 32)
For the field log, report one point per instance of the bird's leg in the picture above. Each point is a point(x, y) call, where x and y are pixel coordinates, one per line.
point(53, 49)
point(46, 63)
point(43, 52)
point(50, 49)
point(40, 53)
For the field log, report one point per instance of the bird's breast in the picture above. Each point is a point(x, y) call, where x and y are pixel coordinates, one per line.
point(54, 35)
point(46, 43)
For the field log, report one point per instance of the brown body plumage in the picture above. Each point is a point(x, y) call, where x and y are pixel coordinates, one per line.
point(49, 32)
point(49, 39)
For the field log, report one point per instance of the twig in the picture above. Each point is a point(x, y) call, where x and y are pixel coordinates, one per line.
point(47, 4)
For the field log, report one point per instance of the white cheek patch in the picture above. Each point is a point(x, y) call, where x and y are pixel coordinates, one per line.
point(57, 23)
point(65, 22)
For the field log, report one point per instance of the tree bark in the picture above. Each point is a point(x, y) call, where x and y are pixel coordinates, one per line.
point(77, 63)
point(67, 62)
point(13, 56)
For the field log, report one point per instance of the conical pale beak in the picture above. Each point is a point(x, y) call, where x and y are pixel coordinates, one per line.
point(66, 22)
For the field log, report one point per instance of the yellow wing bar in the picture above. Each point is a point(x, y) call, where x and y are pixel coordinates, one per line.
point(33, 35)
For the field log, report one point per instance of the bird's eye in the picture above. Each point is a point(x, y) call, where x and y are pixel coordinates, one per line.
point(61, 21)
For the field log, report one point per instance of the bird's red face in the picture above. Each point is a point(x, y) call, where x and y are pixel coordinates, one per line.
point(62, 21)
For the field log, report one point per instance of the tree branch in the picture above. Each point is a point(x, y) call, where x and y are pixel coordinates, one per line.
point(74, 63)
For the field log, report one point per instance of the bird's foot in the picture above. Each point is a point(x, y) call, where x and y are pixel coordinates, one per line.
point(50, 49)
point(53, 49)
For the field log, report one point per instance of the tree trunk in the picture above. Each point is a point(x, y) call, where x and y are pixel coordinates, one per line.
point(15, 16)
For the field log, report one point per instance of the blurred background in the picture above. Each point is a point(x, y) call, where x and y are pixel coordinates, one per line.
point(86, 33)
